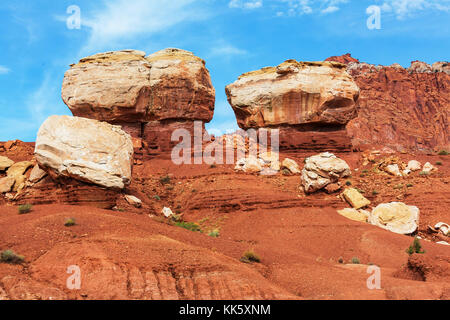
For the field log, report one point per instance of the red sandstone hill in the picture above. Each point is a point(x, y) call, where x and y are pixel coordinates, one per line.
point(405, 109)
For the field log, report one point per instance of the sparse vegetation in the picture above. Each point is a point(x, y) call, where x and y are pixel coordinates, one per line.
point(415, 247)
point(409, 185)
point(375, 193)
point(439, 163)
point(191, 226)
point(250, 256)
point(424, 173)
point(213, 166)
point(25, 208)
point(9, 256)
point(215, 233)
point(348, 183)
point(443, 153)
point(355, 260)
point(165, 180)
point(157, 198)
point(70, 222)
point(341, 260)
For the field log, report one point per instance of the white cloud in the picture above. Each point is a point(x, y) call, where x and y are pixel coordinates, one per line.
point(300, 7)
point(248, 4)
point(4, 70)
point(120, 21)
point(227, 50)
point(330, 9)
point(406, 8)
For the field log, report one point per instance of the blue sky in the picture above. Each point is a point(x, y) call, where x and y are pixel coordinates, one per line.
point(233, 36)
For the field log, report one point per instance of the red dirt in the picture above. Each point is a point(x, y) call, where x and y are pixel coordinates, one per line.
point(134, 254)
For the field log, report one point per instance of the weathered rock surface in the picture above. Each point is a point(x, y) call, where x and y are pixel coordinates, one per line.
point(16, 172)
point(405, 109)
point(86, 150)
point(355, 198)
point(6, 184)
point(291, 165)
point(294, 93)
point(321, 170)
point(414, 165)
point(396, 217)
point(250, 164)
point(5, 163)
point(142, 94)
point(36, 174)
point(355, 215)
point(134, 201)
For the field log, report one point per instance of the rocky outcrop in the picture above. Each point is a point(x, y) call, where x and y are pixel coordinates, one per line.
point(87, 150)
point(171, 87)
point(404, 109)
point(321, 170)
point(310, 102)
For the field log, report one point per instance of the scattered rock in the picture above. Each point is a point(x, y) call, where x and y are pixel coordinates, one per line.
point(86, 150)
point(355, 198)
point(291, 165)
point(249, 165)
point(134, 201)
point(36, 174)
point(167, 212)
point(333, 188)
point(321, 170)
point(393, 169)
point(396, 217)
point(6, 184)
point(414, 165)
point(428, 168)
point(9, 144)
point(442, 227)
point(443, 243)
point(355, 215)
point(5, 163)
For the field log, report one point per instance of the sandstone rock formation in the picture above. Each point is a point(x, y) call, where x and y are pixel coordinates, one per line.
point(149, 96)
point(396, 217)
point(355, 198)
point(405, 109)
point(291, 165)
point(355, 215)
point(5, 163)
point(86, 150)
point(321, 170)
point(309, 102)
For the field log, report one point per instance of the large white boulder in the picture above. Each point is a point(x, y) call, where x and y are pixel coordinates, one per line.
point(323, 169)
point(396, 217)
point(86, 150)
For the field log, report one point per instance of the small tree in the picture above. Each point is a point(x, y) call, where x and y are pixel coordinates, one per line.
point(415, 247)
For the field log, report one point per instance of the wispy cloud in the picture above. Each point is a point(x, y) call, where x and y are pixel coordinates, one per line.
point(225, 49)
point(407, 8)
point(245, 4)
point(4, 70)
point(120, 21)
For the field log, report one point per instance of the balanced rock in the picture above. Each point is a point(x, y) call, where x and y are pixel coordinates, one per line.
point(87, 150)
point(149, 96)
point(5, 163)
point(294, 93)
point(323, 169)
point(396, 217)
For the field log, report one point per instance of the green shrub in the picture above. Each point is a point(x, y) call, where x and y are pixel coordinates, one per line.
point(10, 257)
point(191, 226)
point(348, 183)
point(375, 192)
point(439, 163)
point(443, 153)
point(70, 222)
point(409, 185)
point(157, 198)
point(249, 257)
point(415, 247)
point(355, 260)
point(214, 233)
point(165, 180)
point(25, 208)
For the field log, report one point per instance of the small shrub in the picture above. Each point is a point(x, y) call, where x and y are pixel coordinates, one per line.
point(70, 222)
point(341, 260)
point(424, 173)
point(25, 208)
point(348, 183)
point(249, 257)
point(409, 185)
point(194, 190)
point(213, 166)
point(439, 163)
point(375, 193)
point(165, 180)
point(443, 153)
point(355, 260)
point(191, 226)
point(175, 218)
point(415, 247)
point(214, 233)
point(157, 198)
point(10, 257)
